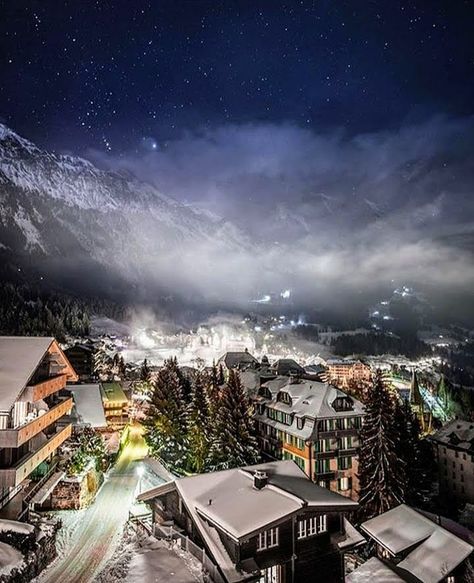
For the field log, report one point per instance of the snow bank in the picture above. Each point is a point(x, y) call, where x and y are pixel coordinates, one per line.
point(13, 525)
point(10, 558)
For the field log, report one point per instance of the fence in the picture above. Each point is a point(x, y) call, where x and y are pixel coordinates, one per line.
point(171, 534)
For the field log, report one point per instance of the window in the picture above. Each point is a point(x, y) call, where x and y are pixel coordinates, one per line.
point(267, 539)
point(344, 463)
point(312, 526)
point(300, 422)
point(284, 398)
point(344, 484)
point(345, 443)
point(270, 575)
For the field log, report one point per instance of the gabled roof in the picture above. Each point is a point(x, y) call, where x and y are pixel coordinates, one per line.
point(20, 356)
point(239, 509)
point(236, 359)
point(286, 366)
point(434, 552)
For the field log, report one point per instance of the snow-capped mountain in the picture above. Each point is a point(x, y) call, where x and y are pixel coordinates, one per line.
point(54, 205)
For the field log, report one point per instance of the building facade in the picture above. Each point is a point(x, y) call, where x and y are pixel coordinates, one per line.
point(263, 523)
point(314, 424)
point(33, 402)
point(116, 405)
point(454, 451)
point(344, 373)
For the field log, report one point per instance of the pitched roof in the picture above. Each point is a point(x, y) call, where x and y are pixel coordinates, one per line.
point(236, 359)
point(435, 551)
point(285, 366)
point(113, 393)
point(19, 358)
point(288, 490)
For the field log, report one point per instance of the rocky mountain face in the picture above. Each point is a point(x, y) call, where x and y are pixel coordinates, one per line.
point(62, 209)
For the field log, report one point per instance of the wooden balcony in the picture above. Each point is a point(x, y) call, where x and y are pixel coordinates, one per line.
point(48, 387)
point(12, 477)
point(18, 436)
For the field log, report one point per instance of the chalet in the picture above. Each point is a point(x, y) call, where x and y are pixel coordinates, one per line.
point(264, 523)
point(33, 376)
point(288, 367)
point(81, 357)
point(238, 361)
point(314, 424)
point(411, 547)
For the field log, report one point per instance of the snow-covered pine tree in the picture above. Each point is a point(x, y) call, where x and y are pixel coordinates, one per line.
point(213, 390)
point(411, 449)
point(199, 424)
point(234, 442)
point(166, 422)
point(381, 472)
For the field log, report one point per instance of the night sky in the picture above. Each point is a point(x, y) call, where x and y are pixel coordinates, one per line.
point(121, 76)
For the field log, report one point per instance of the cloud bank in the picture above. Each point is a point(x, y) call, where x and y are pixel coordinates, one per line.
point(327, 212)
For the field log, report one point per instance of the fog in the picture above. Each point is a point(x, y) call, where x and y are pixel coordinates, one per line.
point(332, 216)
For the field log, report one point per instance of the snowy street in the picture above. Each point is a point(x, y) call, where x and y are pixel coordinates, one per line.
point(97, 531)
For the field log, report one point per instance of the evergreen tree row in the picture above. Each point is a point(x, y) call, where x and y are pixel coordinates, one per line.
point(201, 423)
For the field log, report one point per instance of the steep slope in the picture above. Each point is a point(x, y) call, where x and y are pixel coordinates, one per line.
point(55, 207)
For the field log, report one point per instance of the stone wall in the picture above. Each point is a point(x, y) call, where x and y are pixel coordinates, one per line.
point(77, 492)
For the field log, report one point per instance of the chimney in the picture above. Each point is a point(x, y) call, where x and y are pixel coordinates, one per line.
point(260, 480)
point(210, 502)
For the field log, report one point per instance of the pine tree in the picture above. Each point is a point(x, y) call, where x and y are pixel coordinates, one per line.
point(167, 418)
point(416, 458)
point(381, 473)
point(234, 442)
point(145, 374)
point(199, 425)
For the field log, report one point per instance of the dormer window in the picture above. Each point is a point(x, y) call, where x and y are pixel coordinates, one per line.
point(343, 404)
point(284, 397)
point(300, 422)
point(265, 392)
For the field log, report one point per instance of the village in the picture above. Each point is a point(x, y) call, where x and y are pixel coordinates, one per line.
point(245, 469)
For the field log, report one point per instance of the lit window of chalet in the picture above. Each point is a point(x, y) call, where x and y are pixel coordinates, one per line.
point(312, 526)
point(267, 539)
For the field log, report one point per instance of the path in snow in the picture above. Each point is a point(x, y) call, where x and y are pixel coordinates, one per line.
point(97, 532)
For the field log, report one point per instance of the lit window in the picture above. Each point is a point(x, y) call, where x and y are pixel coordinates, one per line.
point(311, 526)
point(267, 539)
point(270, 575)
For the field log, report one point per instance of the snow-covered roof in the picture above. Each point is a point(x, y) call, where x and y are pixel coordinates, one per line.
point(435, 551)
point(240, 509)
point(373, 571)
point(309, 399)
point(457, 433)
point(237, 359)
point(19, 358)
point(88, 405)
point(435, 558)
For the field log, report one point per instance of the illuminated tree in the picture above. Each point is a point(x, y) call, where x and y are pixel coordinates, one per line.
point(234, 441)
point(166, 421)
point(199, 425)
point(381, 472)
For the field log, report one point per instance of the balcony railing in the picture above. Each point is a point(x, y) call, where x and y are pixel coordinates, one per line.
point(48, 387)
point(18, 436)
point(12, 477)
